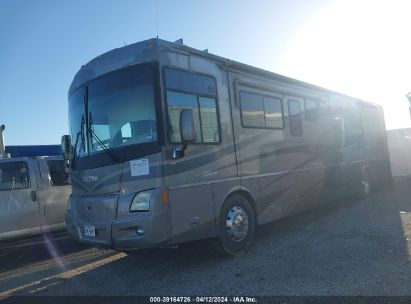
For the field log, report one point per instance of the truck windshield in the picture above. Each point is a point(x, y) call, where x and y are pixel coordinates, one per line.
point(120, 109)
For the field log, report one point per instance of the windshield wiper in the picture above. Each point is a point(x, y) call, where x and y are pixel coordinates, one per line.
point(78, 135)
point(93, 134)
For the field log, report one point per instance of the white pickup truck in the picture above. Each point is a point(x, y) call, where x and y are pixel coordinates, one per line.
point(33, 195)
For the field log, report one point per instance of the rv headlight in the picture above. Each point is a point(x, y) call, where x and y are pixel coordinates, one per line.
point(141, 201)
point(69, 204)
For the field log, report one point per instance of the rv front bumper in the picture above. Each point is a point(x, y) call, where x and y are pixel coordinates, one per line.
point(129, 230)
point(127, 233)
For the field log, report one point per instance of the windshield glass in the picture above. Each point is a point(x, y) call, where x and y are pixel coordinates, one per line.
point(77, 121)
point(120, 111)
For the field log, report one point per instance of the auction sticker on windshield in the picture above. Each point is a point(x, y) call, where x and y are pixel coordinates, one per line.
point(139, 167)
point(89, 230)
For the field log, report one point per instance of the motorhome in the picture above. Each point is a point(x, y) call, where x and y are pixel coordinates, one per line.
point(170, 144)
point(33, 194)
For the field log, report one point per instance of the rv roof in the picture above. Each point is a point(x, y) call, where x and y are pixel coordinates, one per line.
point(148, 50)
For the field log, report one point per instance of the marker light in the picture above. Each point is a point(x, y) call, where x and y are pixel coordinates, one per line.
point(165, 198)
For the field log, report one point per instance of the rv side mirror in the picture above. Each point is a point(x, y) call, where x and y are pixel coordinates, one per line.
point(187, 133)
point(187, 127)
point(66, 147)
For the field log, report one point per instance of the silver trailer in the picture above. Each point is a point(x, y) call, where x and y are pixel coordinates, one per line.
point(169, 144)
point(33, 195)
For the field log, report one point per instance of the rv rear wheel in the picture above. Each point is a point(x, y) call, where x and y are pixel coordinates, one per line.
point(236, 225)
point(366, 186)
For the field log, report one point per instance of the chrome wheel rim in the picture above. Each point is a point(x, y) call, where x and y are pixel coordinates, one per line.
point(366, 183)
point(237, 224)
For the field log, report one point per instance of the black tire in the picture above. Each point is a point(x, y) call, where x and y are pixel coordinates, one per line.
point(234, 239)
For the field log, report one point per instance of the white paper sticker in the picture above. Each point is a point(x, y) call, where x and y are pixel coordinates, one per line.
point(139, 167)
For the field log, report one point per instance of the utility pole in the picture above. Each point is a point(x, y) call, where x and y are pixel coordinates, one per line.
point(409, 100)
point(2, 145)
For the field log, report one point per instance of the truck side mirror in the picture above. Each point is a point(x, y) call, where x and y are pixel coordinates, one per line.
point(66, 147)
point(187, 126)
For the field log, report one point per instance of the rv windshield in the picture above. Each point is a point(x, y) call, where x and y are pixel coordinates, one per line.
point(77, 121)
point(120, 109)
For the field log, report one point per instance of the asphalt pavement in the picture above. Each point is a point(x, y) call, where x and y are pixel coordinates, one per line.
point(348, 247)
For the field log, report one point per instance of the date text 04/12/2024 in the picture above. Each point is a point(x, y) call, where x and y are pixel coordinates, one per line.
point(240, 299)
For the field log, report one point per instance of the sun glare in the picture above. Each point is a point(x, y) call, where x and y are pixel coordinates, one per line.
point(360, 48)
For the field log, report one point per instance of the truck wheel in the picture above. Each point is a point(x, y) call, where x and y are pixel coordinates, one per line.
point(236, 226)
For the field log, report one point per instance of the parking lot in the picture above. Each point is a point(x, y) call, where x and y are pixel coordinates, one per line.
point(349, 247)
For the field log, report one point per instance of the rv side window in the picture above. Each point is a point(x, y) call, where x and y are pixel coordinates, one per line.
point(209, 123)
point(252, 110)
point(259, 111)
point(323, 107)
point(57, 173)
point(371, 123)
point(176, 103)
point(14, 175)
point(352, 124)
point(197, 92)
point(310, 110)
point(296, 126)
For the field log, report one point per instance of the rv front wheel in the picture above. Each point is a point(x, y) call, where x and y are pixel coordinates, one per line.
point(236, 225)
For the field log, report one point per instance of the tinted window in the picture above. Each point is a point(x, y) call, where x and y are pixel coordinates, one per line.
point(121, 109)
point(186, 90)
point(323, 107)
point(310, 110)
point(259, 111)
point(371, 123)
point(77, 122)
point(296, 127)
point(190, 82)
point(58, 174)
point(14, 175)
point(209, 123)
point(252, 110)
point(273, 112)
point(352, 124)
point(176, 103)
